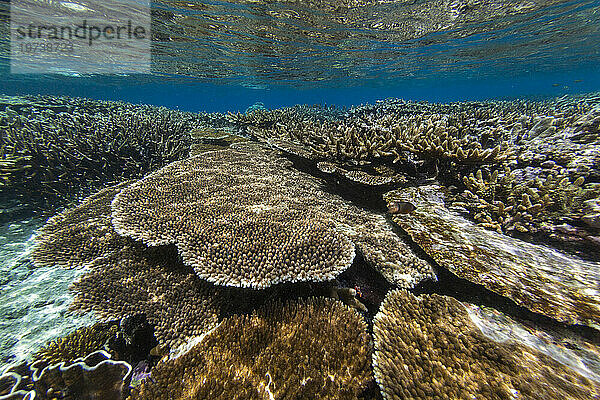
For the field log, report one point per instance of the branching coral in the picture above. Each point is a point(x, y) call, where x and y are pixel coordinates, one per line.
point(53, 149)
point(506, 201)
point(317, 349)
point(427, 347)
point(400, 132)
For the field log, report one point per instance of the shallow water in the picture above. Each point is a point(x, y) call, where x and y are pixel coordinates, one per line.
point(437, 211)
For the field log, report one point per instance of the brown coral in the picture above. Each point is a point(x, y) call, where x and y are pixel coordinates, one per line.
point(95, 377)
point(535, 276)
point(12, 387)
point(235, 219)
point(242, 217)
point(505, 201)
point(316, 349)
point(154, 282)
point(80, 234)
point(427, 347)
point(77, 344)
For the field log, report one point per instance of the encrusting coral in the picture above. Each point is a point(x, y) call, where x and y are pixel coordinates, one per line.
point(317, 349)
point(427, 347)
point(94, 377)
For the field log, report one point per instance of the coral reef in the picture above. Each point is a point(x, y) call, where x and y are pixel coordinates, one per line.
point(79, 234)
point(427, 347)
point(512, 201)
point(537, 148)
point(95, 377)
point(246, 193)
point(153, 282)
point(11, 387)
point(215, 206)
point(315, 349)
point(365, 138)
point(56, 148)
point(480, 189)
point(536, 276)
point(77, 344)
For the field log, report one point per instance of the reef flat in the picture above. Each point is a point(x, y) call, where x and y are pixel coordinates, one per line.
point(242, 241)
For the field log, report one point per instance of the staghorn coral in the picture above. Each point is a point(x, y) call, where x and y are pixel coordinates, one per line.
point(95, 377)
point(507, 201)
point(80, 234)
point(399, 133)
point(239, 195)
point(535, 276)
point(52, 148)
point(317, 348)
point(153, 282)
point(427, 347)
point(77, 344)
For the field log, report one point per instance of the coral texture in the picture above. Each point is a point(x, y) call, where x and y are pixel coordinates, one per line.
point(154, 282)
point(240, 217)
point(316, 349)
point(79, 234)
point(427, 347)
point(536, 276)
point(95, 377)
point(55, 148)
point(77, 344)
